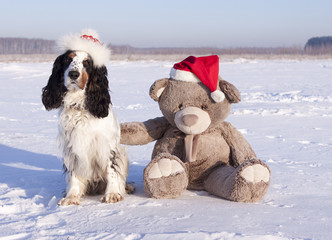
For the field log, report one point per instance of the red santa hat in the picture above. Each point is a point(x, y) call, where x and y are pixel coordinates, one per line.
point(88, 42)
point(200, 69)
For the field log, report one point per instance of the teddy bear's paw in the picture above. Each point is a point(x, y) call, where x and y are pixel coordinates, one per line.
point(252, 181)
point(255, 173)
point(165, 177)
point(246, 183)
point(164, 168)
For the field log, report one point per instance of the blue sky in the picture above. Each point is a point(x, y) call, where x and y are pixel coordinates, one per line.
point(169, 23)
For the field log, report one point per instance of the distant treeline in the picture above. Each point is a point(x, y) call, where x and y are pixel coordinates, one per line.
point(126, 49)
point(26, 46)
point(317, 45)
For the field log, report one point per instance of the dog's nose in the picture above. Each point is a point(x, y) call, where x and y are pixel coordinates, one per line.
point(73, 75)
point(190, 119)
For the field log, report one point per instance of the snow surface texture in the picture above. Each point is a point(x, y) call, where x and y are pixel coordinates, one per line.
point(285, 114)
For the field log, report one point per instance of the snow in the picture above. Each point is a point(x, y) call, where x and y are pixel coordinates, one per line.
point(285, 114)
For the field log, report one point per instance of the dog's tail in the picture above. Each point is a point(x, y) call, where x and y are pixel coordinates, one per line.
point(130, 187)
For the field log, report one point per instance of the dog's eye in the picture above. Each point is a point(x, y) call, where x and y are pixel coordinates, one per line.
point(180, 106)
point(204, 107)
point(86, 63)
point(68, 60)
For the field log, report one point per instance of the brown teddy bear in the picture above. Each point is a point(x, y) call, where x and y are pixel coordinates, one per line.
point(196, 149)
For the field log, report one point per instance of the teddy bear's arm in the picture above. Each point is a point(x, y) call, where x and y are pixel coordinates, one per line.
point(240, 148)
point(140, 133)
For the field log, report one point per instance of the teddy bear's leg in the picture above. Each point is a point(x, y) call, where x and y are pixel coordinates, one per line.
point(246, 183)
point(165, 177)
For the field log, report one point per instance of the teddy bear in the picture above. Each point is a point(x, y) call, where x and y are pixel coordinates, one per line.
point(195, 147)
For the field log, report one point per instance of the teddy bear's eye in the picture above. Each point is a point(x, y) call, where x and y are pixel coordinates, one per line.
point(204, 107)
point(180, 106)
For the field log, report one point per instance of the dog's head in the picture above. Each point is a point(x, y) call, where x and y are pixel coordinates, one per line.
point(76, 71)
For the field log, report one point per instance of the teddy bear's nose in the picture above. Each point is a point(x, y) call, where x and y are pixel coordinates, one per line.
point(190, 119)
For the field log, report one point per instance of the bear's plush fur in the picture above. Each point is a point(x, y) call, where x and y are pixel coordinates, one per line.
point(196, 149)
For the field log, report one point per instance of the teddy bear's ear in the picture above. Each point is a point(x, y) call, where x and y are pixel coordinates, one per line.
point(157, 88)
point(230, 91)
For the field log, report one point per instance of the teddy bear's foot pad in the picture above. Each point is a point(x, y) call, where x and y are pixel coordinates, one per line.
point(251, 181)
point(165, 177)
point(246, 183)
point(164, 168)
point(255, 173)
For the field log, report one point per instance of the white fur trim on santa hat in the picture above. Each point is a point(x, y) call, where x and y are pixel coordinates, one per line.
point(218, 96)
point(181, 75)
point(100, 53)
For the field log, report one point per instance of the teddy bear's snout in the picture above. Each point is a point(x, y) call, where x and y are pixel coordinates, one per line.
point(190, 119)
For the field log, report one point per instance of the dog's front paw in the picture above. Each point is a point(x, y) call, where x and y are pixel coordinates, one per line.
point(112, 198)
point(71, 200)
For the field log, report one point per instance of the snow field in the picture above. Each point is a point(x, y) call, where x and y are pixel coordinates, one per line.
point(285, 114)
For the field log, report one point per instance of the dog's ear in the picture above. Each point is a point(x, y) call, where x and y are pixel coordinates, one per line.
point(157, 88)
point(54, 91)
point(97, 93)
point(232, 94)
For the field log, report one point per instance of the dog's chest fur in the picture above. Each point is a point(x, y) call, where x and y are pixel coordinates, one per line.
point(86, 142)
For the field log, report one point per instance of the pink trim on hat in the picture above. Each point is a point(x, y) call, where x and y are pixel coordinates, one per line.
point(91, 38)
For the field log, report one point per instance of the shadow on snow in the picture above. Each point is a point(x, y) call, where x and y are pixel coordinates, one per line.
point(42, 174)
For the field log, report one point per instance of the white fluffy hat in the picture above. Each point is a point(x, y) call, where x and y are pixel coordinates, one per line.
point(87, 41)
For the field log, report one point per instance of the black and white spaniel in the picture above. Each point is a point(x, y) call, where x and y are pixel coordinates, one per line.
point(89, 133)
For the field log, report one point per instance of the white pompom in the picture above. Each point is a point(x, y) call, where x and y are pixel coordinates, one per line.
point(218, 96)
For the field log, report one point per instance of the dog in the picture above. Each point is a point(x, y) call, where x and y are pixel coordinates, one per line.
point(89, 133)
